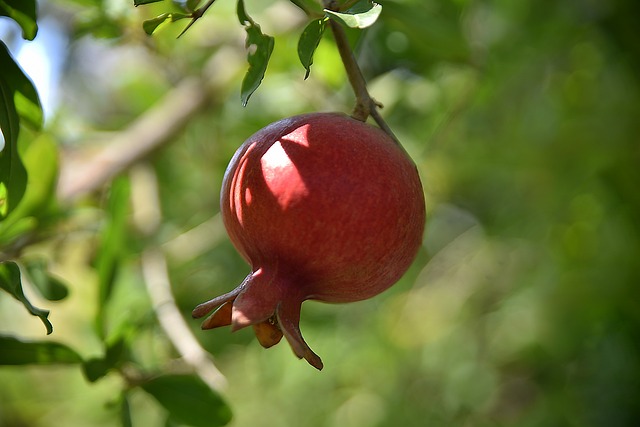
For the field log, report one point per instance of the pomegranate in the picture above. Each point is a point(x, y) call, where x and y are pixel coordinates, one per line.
point(323, 207)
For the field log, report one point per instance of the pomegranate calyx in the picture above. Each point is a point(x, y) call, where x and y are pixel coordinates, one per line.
point(258, 302)
point(220, 317)
point(288, 321)
point(207, 307)
point(268, 333)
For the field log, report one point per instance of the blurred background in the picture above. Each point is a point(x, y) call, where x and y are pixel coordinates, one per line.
point(523, 306)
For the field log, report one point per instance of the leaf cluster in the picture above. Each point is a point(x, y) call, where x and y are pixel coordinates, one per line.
point(28, 206)
point(359, 14)
point(22, 206)
point(197, 405)
point(19, 106)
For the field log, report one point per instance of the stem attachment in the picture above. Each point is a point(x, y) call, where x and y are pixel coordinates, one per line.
point(365, 105)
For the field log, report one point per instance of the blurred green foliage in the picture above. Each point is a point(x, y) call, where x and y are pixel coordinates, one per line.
point(521, 310)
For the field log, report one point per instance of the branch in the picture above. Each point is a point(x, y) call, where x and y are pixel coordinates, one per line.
point(156, 277)
point(157, 127)
point(365, 105)
point(197, 14)
point(364, 102)
point(147, 217)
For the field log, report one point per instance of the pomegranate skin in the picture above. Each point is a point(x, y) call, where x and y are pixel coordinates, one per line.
point(322, 207)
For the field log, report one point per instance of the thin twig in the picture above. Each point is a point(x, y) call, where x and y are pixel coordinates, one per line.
point(197, 14)
point(364, 102)
point(383, 125)
point(147, 217)
point(154, 269)
point(365, 105)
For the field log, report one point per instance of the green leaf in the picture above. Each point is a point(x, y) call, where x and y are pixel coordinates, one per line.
point(125, 411)
point(141, 2)
point(10, 281)
point(308, 6)
point(17, 352)
point(309, 41)
point(20, 90)
point(189, 400)
point(13, 180)
point(112, 244)
point(91, 3)
point(96, 368)
point(242, 14)
point(97, 23)
point(362, 15)
point(40, 160)
point(13, 176)
point(191, 5)
point(24, 13)
point(259, 46)
point(151, 25)
point(18, 101)
point(49, 286)
point(10, 231)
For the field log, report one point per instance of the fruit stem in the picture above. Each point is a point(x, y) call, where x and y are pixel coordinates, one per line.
point(365, 105)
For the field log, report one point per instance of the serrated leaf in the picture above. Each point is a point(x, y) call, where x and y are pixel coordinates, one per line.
point(362, 15)
point(309, 41)
point(151, 25)
point(141, 2)
point(11, 282)
point(259, 46)
point(24, 13)
point(18, 352)
point(49, 286)
point(189, 400)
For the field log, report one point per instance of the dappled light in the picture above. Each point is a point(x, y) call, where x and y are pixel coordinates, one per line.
point(516, 306)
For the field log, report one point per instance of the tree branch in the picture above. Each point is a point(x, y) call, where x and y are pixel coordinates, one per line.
point(365, 105)
point(158, 126)
point(147, 217)
point(364, 102)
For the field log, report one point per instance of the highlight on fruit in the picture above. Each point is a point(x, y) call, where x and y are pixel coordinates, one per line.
point(323, 207)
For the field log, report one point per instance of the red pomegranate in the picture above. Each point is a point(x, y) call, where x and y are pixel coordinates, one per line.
point(323, 207)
